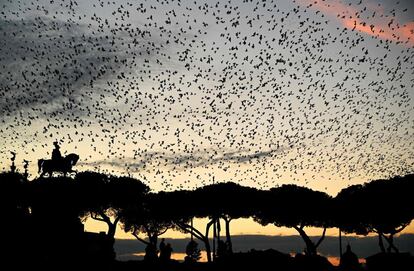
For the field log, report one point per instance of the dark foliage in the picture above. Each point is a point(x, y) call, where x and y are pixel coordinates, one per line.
point(48, 212)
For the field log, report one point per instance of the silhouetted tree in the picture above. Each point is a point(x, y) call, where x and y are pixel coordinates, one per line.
point(296, 207)
point(105, 196)
point(347, 213)
point(149, 216)
point(51, 208)
point(184, 207)
point(227, 201)
point(381, 206)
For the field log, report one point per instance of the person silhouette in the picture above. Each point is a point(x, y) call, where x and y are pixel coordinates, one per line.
point(56, 155)
point(167, 252)
point(162, 246)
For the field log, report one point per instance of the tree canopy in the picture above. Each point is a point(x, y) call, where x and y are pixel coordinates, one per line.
point(57, 205)
point(382, 206)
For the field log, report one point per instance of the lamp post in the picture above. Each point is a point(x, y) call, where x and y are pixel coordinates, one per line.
point(340, 243)
point(26, 171)
point(13, 166)
point(214, 232)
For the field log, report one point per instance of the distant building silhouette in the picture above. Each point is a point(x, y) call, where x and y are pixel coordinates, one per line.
point(349, 260)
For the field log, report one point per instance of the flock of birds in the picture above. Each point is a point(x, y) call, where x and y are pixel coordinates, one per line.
point(179, 93)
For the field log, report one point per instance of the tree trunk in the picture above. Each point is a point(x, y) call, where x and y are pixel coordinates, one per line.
point(391, 246)
point(151, 252)
point(214, 238)
point(199, 236)
point(321, 239)
point(218, 229)
point(153, 239)
point(228, 236)
point(111, 225)
point(310, 246)
point(207, 242)
point(192, 227)
point(340, 243)
point(389, 241)
point(380, 242)
point(111, 229)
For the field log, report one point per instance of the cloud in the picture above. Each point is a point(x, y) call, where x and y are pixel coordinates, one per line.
point(377, 24)
point(185, 161)
point(59, 68)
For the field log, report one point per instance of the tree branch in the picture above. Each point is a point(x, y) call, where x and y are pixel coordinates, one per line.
point(208, 227)
point(116, 220)
point(95, 217)
point(105, 217)
point(188, 228)
point(322, 237)
point(161, 233)
point(226, 218)
point(139, 238)
point(146, 229)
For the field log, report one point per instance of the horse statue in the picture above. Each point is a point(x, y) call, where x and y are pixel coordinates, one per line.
point(63, 165)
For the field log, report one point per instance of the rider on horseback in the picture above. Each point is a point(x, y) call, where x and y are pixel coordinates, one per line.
point(56, 155)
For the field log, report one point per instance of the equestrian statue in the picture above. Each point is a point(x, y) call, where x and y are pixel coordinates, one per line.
point(57, 163)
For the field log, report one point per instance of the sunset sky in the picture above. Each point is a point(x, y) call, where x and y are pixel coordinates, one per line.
point(181, 93)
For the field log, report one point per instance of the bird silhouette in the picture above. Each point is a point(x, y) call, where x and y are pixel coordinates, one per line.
point(254, 92)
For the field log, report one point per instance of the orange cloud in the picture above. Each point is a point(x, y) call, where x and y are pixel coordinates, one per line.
point(377, 25)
